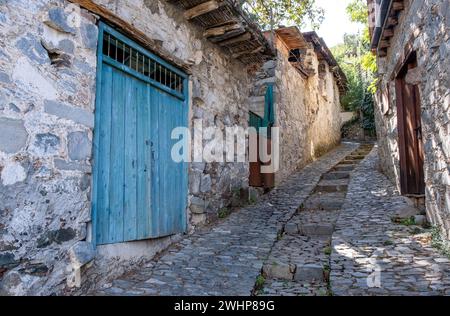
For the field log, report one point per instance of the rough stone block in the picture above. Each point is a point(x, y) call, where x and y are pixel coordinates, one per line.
point(89, 35)
point(279, 271)
point(344, 167)
point(58, 236)
point(197, 219)
point(4, 77)
point(13, 136)
point(269, 65)
point(336, 175)
point(67, 46)
point(198, 205)
point(79, 146)
point(32, 80)
point(7, 260)
point(37, 269)
point(339, 185)
point(57, 19)
point(406, 212)
point(72, 166)
point(14, 285)
point(266, 81)
point(13, 173)
point(291, 228)
point(31, 47)
point(317, 229)
point(81, 254)
point(77, 115)
point(420, 219)
point(309, 273)
point(206, 183)
point(194, 181)
point(47, 143)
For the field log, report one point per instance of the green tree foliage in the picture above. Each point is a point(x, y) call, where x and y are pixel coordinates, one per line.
point(359, 65)
point(357, 11)
point(271, 13)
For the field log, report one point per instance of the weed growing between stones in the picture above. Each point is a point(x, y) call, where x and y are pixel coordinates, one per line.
point(327, 251)
point(439, 242)
point(416, 231)
point(223, 213)
point(406, 221)
point(388, 243)
point(260, 281)
point(279, 236)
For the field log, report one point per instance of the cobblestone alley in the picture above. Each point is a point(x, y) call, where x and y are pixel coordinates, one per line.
point(307, 237)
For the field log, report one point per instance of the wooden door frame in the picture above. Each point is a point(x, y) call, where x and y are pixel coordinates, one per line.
point(399, 73)
point(183, 96)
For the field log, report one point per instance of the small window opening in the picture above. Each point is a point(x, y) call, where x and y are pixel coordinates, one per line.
point(138, 62)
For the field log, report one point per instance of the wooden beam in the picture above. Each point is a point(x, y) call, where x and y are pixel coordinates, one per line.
point(248, 52)
point(388, 33)
point(392, 21)
point(398, 6)
point(130, 31)
point(227, 35)
point(384, 44)
point(241, 38)
point(201, 9)
point(221, 30)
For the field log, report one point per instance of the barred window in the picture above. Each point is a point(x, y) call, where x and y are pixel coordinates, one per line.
point(138, 62)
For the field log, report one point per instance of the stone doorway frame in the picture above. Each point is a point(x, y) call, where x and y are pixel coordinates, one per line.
point(412, 179)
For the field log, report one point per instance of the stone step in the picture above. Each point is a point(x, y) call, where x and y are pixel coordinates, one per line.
point(349, 162)
point(364, 154)
point(336, 175)
point(278, 270)
point(355, 157)
point(314, 230)
point(301, 272)
point(325, 201)
point(339, 185)
point(309, 273)
point(310, 230)
point(344, 167)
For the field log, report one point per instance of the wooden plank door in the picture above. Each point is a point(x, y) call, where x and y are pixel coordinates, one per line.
point(410, 133)
point(139, 192)
point(256, 178)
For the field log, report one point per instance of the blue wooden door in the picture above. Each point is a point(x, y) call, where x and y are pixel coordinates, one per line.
point(139, 192)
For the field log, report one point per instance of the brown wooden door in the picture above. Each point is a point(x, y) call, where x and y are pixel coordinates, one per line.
point(410, 133)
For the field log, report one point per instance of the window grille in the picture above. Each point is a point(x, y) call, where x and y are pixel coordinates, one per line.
point(133, 59)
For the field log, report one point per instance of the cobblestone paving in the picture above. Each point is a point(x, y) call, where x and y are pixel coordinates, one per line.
point(299, 262)
point(367, 245)
point(228, 258)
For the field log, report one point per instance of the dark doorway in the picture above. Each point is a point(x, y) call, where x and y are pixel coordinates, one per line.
point(410, 131)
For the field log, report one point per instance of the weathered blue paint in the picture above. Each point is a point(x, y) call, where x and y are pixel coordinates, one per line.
point(269, 118)
point(139, 192)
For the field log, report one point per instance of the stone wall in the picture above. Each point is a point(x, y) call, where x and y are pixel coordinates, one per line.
point(47, 90)
point(47, 104)
point(426, 23)
point(307, 110)
point(47, 100)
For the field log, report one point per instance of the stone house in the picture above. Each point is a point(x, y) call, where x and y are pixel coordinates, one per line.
point(308, 83)
point(88, 188)
point(411, 40)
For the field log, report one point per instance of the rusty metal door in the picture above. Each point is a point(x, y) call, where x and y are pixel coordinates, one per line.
point(410, 132)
